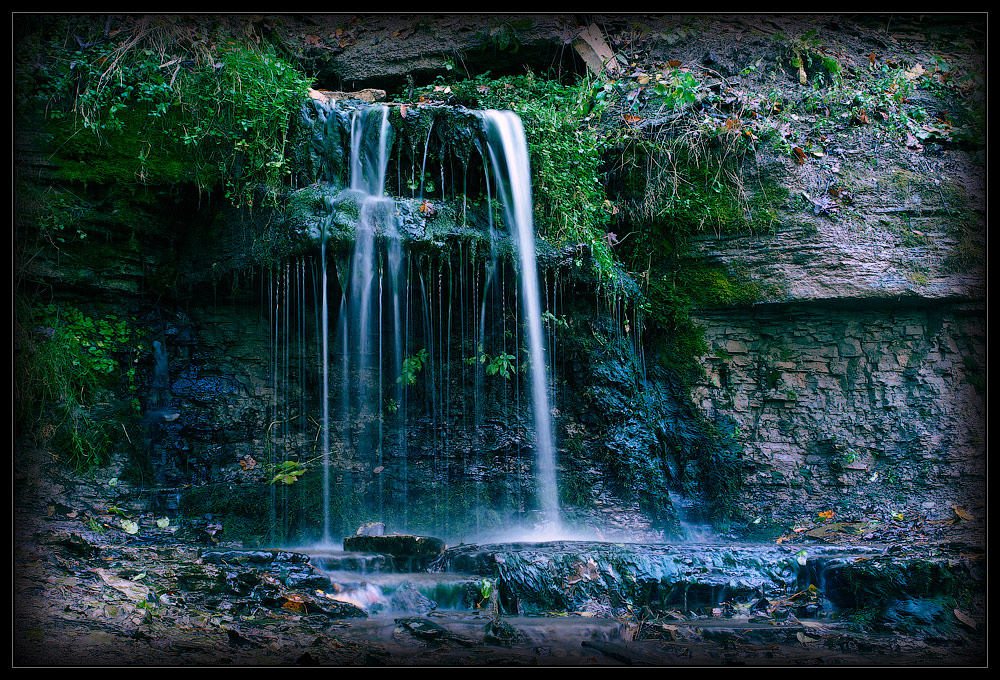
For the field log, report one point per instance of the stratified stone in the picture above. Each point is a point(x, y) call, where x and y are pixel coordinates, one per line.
point(399, 546)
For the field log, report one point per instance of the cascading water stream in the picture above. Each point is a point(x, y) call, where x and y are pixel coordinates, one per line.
point(508, 153)
point(366, 471)
point(360, 324)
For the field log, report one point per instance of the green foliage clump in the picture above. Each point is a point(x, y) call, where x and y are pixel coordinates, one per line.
point(65, 363)
point(161, 100)
point(412, 366)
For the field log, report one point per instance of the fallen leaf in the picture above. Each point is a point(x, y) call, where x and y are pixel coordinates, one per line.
point(800, 155)
point(964, 618)
point(402, 111)
point(673, 63)
point(630, 118)
point(134, 591)
point(826, 514)
point(803, 638)
point(962, 514)
point(915, 72)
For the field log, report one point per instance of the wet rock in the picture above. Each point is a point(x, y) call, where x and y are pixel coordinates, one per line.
point(368, 95)
point(73, 541)
point(371, 529)
point(204, 532)
point(427, 630)
point(255, 557)
point(499, 632)
point(237, 639)
point(237, 557)
point(920, 615)
point(332, 609)
point(307, 580)
point(597, 577)
point(411, 551)
point(408, 599)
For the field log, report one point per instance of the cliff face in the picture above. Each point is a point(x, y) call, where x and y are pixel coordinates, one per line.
point(850, 370)
point(847, 409)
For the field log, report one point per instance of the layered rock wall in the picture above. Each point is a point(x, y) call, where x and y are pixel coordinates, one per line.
point(848, 408)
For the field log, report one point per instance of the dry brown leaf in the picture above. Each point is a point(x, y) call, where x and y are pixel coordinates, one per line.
point(962, 514)
point(966, 619)
point(915, 72)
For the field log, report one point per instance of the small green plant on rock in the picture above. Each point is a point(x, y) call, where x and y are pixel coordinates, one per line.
point(65, 362)
point(412, 367)
point(502, 365)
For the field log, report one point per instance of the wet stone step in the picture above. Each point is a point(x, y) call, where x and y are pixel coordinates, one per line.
point(361, 563)
point(611, 578)
point(254, 557)
point(409, 553)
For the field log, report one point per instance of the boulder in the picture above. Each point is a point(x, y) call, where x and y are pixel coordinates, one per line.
point(409, 552)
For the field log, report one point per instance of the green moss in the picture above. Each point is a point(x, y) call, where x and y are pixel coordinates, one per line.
point(117, 115)
point(969, 253)
point(974, 374)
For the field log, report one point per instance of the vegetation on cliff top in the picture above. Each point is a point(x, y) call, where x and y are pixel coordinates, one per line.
point(160, 100)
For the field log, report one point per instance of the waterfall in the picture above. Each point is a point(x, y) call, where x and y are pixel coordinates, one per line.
point(364, 334)
point(509, 155)
point(385, 297)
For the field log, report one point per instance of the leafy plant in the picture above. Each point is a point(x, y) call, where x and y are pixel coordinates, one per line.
point(412, 367)
point(161, 99)
point(679, 91)
point(287, 472)
point(551, 319)
point(64, 361)
point(502, 365)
